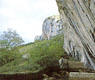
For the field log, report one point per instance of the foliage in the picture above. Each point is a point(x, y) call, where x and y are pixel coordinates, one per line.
point(42, 54)
point(7, 56)
point(10, 38)
point(3, 43)
point(48, 61)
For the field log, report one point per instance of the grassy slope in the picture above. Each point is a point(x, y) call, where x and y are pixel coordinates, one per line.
point(41, 54)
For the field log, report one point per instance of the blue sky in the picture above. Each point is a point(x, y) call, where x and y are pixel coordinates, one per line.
point(26, 16)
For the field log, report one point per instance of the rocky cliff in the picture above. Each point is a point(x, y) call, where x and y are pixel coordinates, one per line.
point(78, 18)
point(38, 38)
point(52, 26)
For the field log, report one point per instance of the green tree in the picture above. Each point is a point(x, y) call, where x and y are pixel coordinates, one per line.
point(3, 43)
point(10, 39)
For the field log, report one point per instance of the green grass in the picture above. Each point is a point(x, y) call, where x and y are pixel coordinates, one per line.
point(41, 54)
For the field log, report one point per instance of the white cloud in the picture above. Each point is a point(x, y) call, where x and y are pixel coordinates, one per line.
point(7, 12)
point(26, 16)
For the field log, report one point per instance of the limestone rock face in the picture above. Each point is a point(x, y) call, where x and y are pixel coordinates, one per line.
point(52, 26)
point(78, 18)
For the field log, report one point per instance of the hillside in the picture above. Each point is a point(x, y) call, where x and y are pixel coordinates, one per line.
point(32, 57)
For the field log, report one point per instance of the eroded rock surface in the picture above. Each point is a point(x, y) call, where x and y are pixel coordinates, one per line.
point(79, 29)
point(52, 26)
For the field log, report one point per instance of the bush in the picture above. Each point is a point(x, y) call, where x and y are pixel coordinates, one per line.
point(48, 61)
point(7, 56)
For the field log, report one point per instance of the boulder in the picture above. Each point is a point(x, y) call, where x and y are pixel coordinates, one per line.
point(74, 66)
point(81, 76)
